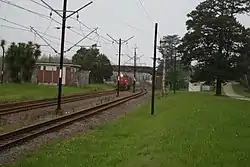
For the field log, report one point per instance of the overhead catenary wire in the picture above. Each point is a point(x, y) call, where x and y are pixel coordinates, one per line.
point(81, 23)
point(45, 32)
point(81, 40)
point(40, 15)
point(40, 4)
point(15, 28)
point(76, 19)
point(146, 13)
point(129, 25)
point(102, 39)
point(29, 31)
point(26, 28)
point(45, 40)
point(28, 10)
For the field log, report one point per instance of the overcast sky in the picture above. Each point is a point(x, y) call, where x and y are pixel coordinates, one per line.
point(119, 18)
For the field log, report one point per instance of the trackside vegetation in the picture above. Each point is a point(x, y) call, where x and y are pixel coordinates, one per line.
point(188, 129)
point(28, 91)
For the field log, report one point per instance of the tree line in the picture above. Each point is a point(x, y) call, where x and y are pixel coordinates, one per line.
point(217, 41)
point(20, 61)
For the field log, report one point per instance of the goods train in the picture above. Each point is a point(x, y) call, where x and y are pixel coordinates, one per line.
point(125, 82)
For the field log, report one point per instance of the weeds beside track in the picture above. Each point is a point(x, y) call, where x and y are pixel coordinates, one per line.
point(7, 109)
point(22, 135)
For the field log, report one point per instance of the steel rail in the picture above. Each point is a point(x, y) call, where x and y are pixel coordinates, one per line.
point(47, 103)
point(25, 134)
point(8, 105)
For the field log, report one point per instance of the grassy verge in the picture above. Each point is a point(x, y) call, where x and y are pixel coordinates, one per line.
point(188, 129)
point(19, 92)
point(241, 90)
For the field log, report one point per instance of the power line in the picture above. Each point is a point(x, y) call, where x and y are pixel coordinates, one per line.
point(45, 32)
point(76, 19)
point(28, 30)
point(39, 4)
point(81, 23)
point(28, 10)
point(51, 19)
point(145, 11)
point(44, 40)
point(24, 28)
point(39, 14)
point(81, 40)
point(91, 29)
point(73, 19)
point(15, 28)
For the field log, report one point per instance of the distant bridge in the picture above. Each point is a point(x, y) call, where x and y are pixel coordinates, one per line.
point(142, 69)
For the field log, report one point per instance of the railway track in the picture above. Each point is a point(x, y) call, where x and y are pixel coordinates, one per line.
point(7, 109)
point(25, 134)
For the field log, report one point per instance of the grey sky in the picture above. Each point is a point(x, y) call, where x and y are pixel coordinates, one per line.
point(119, 18)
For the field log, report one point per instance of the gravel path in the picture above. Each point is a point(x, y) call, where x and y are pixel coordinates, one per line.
point(18, 120)
point(75, 129)
point(228, 89)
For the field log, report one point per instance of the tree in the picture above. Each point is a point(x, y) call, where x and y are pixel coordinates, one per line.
point(181, 73)
point(21, 60)
point(215, 39)
point(102, 69)
point(92, 60)
point(3, 42)
point(169, 50)
point(244, 62)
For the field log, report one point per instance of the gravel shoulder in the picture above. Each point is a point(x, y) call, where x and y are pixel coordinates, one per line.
point(77, 128)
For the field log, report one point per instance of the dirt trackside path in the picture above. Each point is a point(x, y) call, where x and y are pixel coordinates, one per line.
point(230, 92)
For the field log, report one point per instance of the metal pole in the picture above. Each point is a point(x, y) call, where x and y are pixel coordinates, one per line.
point(61, 57)
point(154, 64)
point(134, 71)
point(119, 67)
point(2, 73)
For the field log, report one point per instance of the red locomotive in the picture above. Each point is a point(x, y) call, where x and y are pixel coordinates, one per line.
point(125, 82)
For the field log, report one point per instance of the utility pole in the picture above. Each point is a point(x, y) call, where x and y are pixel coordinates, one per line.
point(119, 68)
point(120, 43)
point(154, 66)
point(2, 72)
point(134, 69)
point(64, 18)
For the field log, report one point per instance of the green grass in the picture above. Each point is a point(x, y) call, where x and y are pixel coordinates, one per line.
point(241, 90)
point(19, 92)
point(188, 129)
